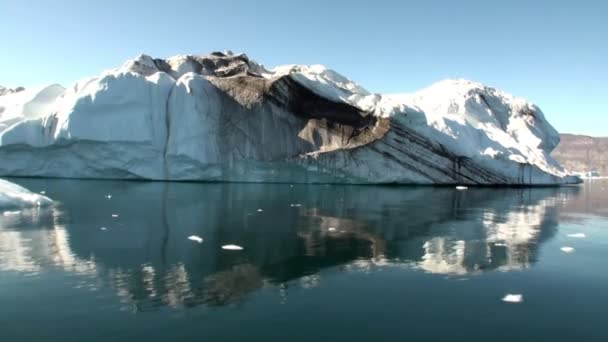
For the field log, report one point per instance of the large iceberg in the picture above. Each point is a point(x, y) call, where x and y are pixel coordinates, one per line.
point(224, 117)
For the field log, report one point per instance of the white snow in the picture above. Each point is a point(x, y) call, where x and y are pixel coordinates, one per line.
point(114, 215)
point(232, 247)
point(28, 104)
point(461, 187)
point(513, 298)
point(568, 249)
point(138, 121)
point(195, 238)
point(15, 196)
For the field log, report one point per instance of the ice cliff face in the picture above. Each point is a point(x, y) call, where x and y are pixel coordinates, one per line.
point(223, 117)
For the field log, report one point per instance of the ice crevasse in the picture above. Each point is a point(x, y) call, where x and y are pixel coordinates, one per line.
point(224, 117)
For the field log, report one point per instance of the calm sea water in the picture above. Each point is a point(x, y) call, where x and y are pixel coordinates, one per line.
point(335, 263)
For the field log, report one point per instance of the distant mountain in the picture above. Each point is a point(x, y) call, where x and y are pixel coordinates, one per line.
point(583, 153)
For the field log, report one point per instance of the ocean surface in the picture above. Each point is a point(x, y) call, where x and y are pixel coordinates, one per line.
point(124, 261)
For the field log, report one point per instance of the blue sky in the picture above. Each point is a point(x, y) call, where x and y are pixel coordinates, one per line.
point(554, 53)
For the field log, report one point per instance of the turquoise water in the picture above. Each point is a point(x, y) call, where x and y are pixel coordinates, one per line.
point(336, 263)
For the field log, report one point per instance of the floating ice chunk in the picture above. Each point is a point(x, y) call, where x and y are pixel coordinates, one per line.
point(11, 213)
point(43, 192)
point(331, 229)
point(195, 238)
point(114, 215)
point(232, 247)
point(577, 235)
point(462, 187)
point(260, 210)
point(13, 196)
point(103, 228)
point(567, 249)
point(513, 298)
point(295, 205)
point(108, 196)
point(500, 244)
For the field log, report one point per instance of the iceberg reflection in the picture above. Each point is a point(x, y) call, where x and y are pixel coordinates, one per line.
point(146, 257)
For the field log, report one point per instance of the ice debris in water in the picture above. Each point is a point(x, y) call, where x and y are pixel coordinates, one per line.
point(577, 235)
point(195, 238)
point(43, 192)
point(567, 249)
point(11, 213)
point(462, 187)
point(513, 298)
point(103, 228)
point(331, 229)
point(295, 205)
point(232, 247)
point(114, 215)
point(260, 210)
point(108, 196)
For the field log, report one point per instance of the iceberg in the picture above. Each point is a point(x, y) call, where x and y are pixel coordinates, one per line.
point(224, 117)
point(13, 196)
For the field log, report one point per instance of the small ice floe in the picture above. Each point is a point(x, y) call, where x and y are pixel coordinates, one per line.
point(195, 238)
point(500, 244)
point(11, 213)
point(577, 235)
point(462, 187)
point(513, 298)
point(567, 249)
point(332, 229)
point(103, 228)
point(260, 210)
point(108, 196)
point(232, 247)
point(295, 205)
point(114, 215)
point(43, 192)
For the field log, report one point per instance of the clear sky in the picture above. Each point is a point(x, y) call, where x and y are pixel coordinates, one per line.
point(553, 52)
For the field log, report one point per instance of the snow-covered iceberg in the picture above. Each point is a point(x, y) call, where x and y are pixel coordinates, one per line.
point(224, 117)
point(13, 196)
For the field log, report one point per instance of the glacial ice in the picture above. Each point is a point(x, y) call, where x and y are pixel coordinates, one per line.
point(13, 196)
point(232, 247)
point(577, 235)
point(224, 117)
point(568, 249)
point(513, 298)
point(195, 238)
